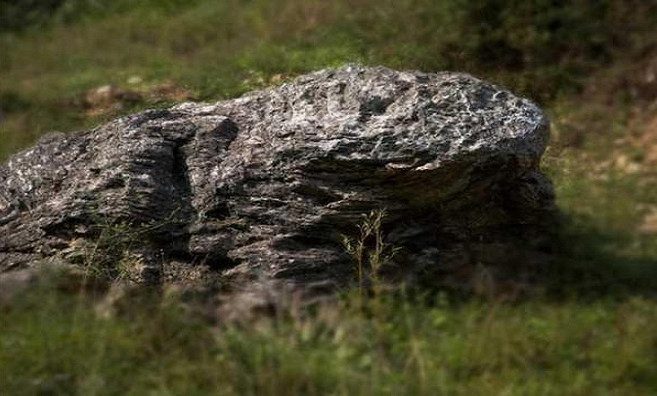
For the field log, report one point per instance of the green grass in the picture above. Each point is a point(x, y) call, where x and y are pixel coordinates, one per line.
point(603, 205)
point(55, 344)
point(219, 49)
point(591, 329)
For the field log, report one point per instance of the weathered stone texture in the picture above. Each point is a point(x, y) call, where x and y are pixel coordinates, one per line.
point(261, 187)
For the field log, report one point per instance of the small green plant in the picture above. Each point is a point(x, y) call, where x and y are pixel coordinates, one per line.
point(369, 251)
point(108, 256)
point(113, 254)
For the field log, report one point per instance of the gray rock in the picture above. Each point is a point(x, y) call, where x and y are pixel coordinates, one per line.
point(260, 188)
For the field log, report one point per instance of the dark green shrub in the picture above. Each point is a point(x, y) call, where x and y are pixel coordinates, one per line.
point(19, 14)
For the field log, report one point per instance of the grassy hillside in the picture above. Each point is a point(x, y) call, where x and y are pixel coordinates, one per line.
point(70, 64)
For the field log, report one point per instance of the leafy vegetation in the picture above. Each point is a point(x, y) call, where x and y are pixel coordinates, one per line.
point(591, 330)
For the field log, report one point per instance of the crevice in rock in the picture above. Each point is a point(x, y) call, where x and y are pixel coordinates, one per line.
point(220, 262)
point(373, 106)
point(320, 194)
point(219, 211)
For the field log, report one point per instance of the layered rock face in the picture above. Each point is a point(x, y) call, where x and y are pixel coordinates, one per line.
point(261, 187)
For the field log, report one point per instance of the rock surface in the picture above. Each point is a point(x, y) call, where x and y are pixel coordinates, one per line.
point(260, 188)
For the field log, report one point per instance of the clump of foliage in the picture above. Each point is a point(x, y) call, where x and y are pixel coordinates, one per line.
point(16, 15)
point(109, 256)
point(110, 252)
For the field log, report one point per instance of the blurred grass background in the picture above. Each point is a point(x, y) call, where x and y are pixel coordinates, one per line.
point(70, 64)
point(55, 51)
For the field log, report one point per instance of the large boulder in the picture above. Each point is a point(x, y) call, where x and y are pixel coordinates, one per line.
point(262, 187)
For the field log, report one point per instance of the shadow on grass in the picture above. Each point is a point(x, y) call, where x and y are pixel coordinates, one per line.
point(592, 263)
